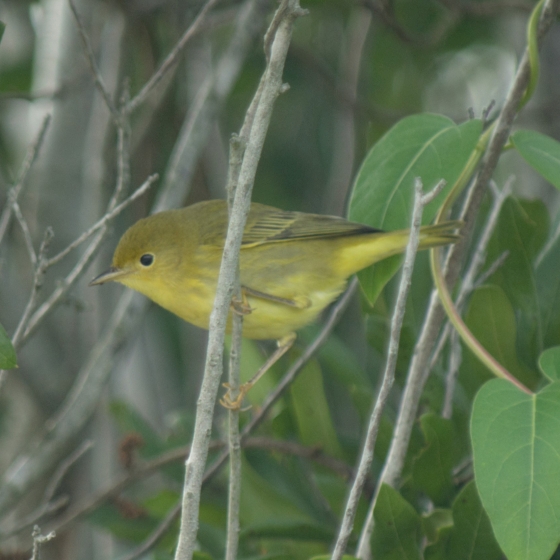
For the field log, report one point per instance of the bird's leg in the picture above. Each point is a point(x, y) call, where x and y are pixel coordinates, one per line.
point(284, 344)
point(241, 306)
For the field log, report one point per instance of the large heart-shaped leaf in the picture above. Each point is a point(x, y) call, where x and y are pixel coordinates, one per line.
point(428, 146)
point(516, 445)
point(549, 362)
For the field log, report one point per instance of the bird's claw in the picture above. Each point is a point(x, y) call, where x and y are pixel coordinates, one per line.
point(235, 404)
point(241, 306)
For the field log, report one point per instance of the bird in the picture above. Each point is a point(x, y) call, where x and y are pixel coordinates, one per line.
point(292, 264)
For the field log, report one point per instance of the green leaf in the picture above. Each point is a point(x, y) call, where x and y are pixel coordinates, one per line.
point(158, 505)
point(549, 362)
point(288, 530)
point(522, 230)
point(398, 528)
point(329, 556)
point(8, 358)
point(516, 445)
point(197, 555)
point(470, 535)
point(312, 412)
point(432, 469)
point(491, 319)
point(120, 523)
point(428, 146)
point(541, 152)
point(548, 290)
point(435, 522)
point(2, 29)
point(262, 502)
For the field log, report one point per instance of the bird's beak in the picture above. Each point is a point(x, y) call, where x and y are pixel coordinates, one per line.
point(110, 275)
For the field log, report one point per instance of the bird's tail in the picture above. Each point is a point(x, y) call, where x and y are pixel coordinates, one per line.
point(439, 234)
point(370, 248)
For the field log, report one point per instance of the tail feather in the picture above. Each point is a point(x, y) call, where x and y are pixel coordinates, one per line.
point(439, 234)
point(370, 248)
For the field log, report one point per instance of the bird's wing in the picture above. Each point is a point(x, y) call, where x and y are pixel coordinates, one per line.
point(266, 224)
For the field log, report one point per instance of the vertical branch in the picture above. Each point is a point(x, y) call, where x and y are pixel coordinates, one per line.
point(195, 465)
point(237, 148)
point(234, 437)
point(389, 375)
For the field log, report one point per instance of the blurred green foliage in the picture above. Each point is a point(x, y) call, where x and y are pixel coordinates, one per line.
point(324, 137)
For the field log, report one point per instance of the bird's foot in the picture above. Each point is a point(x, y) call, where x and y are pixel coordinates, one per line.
point(241, 306)
point(235, 403)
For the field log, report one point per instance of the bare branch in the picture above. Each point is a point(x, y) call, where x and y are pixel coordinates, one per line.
point(64, 467)
point(366, 457)
point(28, 162)
point(104, 220)
point(272, 86)
point(171, 59)
point(25, 230)
point(38, 540)
point(237, 150)
point(93, 64)
point(38, 274)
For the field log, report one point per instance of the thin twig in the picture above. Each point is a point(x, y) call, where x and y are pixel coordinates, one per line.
point(366, 457)
point(30, 158)
point(29, 322)
point(479, 257)
point(104, 220)
point(38, 274)
point(208, 100)
point(123, 152)
point(25, 230)
point(93, 64)
point(63, 286)
point(72, 277)
point(64, 467)
point(49, 506)
point(171, 59)
point(39, 540)
point(455, 355)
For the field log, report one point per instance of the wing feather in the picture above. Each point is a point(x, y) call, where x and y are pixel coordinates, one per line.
point(266, 224)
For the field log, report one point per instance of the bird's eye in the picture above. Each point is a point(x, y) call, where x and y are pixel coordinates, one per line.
point(147, 259)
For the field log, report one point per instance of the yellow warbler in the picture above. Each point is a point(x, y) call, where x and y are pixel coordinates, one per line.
point(292, 264)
